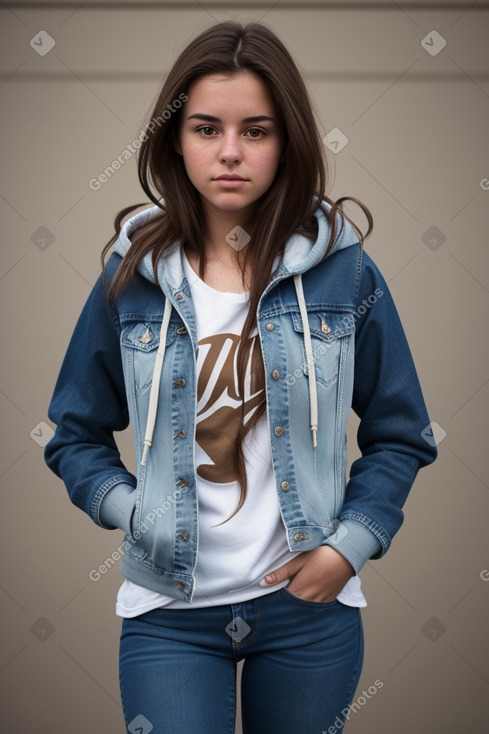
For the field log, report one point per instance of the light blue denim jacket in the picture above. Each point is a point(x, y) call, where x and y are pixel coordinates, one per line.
point(331, 340)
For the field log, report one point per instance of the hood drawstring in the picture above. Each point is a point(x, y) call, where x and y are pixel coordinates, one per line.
point(160, 354)
point(155, 385)
point(311, 370)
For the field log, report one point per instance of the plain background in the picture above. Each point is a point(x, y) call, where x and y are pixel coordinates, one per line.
point(417, 155)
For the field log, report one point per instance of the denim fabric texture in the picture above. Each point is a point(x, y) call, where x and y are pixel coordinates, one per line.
point(362, 362)
point(302, 664)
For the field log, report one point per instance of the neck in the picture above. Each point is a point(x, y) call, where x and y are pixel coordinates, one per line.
point(224, 233)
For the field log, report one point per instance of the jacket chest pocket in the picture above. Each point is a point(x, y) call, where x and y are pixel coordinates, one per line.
point(139, 343)
point(331, 335)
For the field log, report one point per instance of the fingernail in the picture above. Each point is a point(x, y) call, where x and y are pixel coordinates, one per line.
point(266, 581)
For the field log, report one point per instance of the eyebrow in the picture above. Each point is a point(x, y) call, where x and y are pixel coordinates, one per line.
point(211, 118)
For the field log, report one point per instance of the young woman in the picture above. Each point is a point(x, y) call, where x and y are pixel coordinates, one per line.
point(234, 325)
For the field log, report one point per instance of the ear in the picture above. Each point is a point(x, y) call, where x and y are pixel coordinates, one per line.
point(176, 142)
point(285, 144)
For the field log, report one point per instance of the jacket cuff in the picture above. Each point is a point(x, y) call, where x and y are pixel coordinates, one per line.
point(355, 542)
point(117, 507)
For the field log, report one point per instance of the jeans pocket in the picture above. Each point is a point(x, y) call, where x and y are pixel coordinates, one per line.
point(308, 602)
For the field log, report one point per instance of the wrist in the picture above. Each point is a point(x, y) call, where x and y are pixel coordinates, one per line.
point(342, 561)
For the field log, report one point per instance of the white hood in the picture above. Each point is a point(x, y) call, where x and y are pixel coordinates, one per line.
point(301, 253)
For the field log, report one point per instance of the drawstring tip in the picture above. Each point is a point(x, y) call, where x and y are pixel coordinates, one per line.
point(145, 452)
point(314, 440)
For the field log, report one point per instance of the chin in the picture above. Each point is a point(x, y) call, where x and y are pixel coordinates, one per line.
point(232, 206)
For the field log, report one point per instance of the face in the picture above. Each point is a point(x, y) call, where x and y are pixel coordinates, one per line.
point(230, 141)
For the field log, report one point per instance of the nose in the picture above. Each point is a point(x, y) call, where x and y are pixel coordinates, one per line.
point(230, 150)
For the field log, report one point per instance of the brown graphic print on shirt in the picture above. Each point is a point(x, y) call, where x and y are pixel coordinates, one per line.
point(219, 404)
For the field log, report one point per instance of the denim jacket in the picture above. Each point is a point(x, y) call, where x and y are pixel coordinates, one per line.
point(331, 341)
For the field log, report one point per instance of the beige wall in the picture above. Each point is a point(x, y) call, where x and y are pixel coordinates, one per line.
point(417, 156)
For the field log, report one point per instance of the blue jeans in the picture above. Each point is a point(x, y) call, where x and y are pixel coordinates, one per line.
point(303, 659)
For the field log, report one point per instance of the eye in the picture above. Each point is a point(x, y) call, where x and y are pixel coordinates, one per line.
point(257, 132)
point(208, 128)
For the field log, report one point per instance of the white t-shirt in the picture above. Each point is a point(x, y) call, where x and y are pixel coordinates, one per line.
point(234, 556)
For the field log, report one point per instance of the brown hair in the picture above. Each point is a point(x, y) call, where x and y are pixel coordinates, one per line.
point(288, 206)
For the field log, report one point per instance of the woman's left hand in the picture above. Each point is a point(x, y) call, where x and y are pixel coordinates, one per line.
point(317, 575)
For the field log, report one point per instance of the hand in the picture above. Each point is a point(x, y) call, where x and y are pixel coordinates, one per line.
point(317, 575)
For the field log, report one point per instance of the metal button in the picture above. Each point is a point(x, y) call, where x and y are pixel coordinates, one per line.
point(324, 327)
point(146, 337)
point(183, 482)
point(180, 586)
point(269, 327)
point(278, 431)
point(275, 374)
point(180, 382)
point(179, 297)
point(185, 535)
point(285, 486)
point(180, 434)
point(182, 330)
point(301, 536)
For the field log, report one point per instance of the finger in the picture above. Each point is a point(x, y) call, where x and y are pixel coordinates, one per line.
point(284, 572)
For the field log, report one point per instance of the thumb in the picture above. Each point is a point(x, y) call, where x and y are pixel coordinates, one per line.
point(284, 572)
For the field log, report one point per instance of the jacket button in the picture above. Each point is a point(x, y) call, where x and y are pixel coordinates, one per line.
point(180, 382)
point(183, 482)
point(179, 297)
point(181, 330)
point(301, 536)
point(285, 486)
point(269, 327)
point(324, 327)
point(185, 535)
point(180, 586)
point(278, 431)
point(180, 434)
point(275, 374)
point(146, 337)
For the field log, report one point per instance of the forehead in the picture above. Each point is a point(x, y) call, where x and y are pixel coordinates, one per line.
point(244, 92)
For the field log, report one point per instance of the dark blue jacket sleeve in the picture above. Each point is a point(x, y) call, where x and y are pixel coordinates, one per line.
point(88, 404)
point(388, 399)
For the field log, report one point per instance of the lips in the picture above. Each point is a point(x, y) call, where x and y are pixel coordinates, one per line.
point(230, 182)
point(233, 177)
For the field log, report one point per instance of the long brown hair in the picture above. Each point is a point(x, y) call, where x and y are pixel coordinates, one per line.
point(288, 206)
